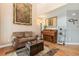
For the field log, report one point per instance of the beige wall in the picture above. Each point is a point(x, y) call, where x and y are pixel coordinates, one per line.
point(0, 25)
point(7, 26)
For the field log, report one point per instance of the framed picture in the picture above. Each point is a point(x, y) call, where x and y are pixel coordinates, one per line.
point(22, 13)
point(52, 21)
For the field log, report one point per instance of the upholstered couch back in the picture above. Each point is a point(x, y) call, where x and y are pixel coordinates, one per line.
point(22, 37)
point(23, 34)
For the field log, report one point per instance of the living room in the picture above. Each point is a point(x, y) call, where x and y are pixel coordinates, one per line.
point(52, 23)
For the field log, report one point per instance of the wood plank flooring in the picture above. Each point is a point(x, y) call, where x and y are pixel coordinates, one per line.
point(67, 50)
point(4, 51)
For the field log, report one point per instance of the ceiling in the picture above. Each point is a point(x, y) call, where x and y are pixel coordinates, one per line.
point(47, 7)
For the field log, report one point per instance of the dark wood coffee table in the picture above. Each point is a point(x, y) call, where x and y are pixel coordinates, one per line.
point(35, 48)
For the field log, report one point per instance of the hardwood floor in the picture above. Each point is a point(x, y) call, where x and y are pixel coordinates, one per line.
point(67, 50)
point(4, 51)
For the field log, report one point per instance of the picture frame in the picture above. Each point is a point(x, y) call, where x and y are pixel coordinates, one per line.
point(52, 21)
point(22, 13)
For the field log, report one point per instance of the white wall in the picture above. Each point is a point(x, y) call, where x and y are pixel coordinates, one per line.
point(7, 26)
point(61, 16)
point(72, 31)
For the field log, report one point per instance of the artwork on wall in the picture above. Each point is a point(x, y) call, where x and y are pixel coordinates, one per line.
point(52, 21)
point(22, 13)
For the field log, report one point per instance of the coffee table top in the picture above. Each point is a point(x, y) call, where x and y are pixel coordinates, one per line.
point(34, 42)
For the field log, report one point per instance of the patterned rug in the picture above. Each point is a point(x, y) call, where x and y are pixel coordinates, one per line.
point(45, 52)
point(51, 52)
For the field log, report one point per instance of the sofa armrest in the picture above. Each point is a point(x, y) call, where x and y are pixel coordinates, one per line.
point(15, 42)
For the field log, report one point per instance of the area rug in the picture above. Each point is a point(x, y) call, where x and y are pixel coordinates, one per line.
point(46, 52)
point(51, 52)
point(24, 52)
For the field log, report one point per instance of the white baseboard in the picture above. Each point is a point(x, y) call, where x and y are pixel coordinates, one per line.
point(72, 43)
point(6, 45)
point(59, 43)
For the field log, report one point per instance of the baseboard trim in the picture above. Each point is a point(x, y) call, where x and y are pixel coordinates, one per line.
point(72, 43)
point(6, 45)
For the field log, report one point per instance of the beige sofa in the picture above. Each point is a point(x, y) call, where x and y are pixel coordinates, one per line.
point(21, 38)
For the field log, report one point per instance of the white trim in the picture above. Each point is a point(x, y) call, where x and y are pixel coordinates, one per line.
point(59, 43)
point(6, 45)
point(72, 43)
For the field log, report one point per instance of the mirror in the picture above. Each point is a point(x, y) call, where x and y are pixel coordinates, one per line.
point(52, 22)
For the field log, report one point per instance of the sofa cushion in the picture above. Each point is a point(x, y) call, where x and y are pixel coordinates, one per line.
point(31, 38)
point(26, 39)
point(28, 34)
point(22, 40)
point(18, 34)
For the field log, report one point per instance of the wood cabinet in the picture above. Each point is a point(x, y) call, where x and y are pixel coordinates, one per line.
point(50, 35)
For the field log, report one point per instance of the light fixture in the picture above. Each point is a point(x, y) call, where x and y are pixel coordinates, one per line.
point(73, 20)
